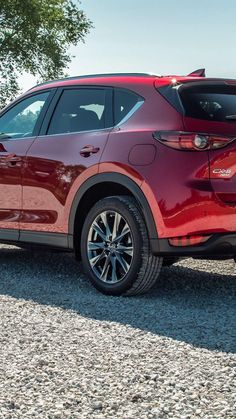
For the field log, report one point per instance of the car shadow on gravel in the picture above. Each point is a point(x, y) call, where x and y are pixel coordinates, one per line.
point(188, 304)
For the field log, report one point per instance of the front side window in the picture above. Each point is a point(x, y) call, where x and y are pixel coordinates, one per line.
point(125, 103)
point(20, 120)
point(81, 109)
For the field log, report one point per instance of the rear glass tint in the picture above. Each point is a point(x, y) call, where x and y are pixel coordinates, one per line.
point(210, 102)
point(125, 104)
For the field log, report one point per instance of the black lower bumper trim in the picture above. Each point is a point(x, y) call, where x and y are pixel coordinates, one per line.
point(218, 245)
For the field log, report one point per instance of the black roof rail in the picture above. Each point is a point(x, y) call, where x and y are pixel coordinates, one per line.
point(201, 72)
point(91, 76)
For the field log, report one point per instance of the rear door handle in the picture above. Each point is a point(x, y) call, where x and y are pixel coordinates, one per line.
point(13, 160)
point(87, 150)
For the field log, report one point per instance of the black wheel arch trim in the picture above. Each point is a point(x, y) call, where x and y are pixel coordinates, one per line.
point(122, 180)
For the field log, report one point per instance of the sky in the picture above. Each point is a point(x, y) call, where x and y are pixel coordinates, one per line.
point(160, 37)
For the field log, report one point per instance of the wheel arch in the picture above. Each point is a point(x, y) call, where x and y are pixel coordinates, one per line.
point(95, 188)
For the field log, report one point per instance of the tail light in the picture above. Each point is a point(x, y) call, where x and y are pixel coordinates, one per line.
point(188, 240)
point(191, 141)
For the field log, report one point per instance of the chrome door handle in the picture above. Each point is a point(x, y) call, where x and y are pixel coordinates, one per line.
point(87, 150)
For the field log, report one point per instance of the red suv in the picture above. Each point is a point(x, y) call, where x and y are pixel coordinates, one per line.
point(129, 171)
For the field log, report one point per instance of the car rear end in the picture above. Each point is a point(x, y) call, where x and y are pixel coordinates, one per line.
point(200, 211)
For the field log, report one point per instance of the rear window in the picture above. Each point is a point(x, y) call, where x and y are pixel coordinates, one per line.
point(125, 104)
point(210, 102)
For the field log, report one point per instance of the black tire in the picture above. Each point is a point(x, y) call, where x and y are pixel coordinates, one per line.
point(144, 268)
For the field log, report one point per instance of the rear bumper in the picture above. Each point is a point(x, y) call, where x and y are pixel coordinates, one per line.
point(219, 245)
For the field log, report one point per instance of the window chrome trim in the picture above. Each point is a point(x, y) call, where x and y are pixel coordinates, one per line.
point(76, 132)
point(131, 112)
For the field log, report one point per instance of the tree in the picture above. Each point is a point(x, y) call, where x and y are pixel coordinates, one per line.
point(35, 36)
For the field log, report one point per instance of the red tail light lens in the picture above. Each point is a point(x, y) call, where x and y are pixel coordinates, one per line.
point(191, 140)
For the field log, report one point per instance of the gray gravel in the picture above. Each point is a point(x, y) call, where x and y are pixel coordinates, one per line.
point(69, 352)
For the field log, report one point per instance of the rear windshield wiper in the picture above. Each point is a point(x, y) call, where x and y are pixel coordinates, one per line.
point(230, 117)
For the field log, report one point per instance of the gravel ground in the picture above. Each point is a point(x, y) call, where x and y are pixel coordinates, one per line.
point(67, 351)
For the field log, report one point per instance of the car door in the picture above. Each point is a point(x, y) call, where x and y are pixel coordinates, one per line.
point(67, 151)
point(18, 128)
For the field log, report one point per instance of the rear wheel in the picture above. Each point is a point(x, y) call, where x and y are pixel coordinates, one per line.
point(115, 248)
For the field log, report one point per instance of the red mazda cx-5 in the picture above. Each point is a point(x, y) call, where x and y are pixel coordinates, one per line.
point(129, 171)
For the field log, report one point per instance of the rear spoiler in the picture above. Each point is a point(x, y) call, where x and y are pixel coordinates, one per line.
point(201, 72)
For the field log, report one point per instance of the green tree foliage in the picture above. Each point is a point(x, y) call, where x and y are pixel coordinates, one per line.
point(35, 36)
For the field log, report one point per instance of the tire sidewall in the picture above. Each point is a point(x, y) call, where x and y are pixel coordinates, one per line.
point(113, 204)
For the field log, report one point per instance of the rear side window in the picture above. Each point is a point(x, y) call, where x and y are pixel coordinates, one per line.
point(210, 102)
point(79, 110)
point(125, 104)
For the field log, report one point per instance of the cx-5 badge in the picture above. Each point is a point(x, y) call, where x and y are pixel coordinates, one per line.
point(222, 172)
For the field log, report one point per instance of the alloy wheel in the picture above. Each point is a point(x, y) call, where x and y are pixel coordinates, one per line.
point(110, 247)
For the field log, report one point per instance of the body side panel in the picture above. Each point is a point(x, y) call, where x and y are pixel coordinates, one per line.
point(54, 169)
